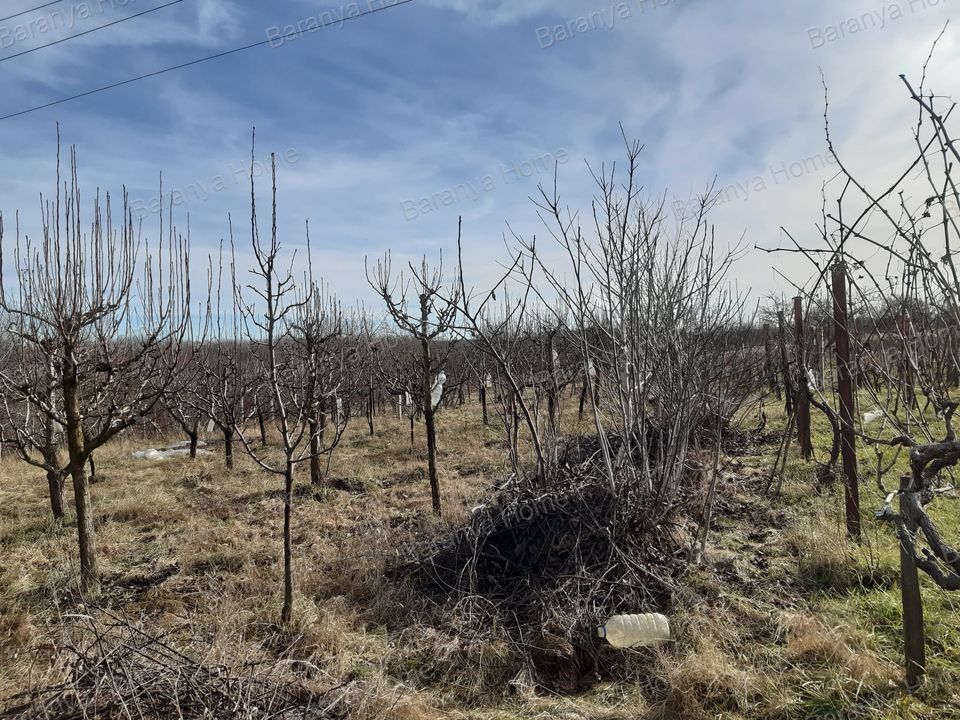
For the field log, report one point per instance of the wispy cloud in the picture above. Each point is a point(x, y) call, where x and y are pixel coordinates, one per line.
point(413, 103)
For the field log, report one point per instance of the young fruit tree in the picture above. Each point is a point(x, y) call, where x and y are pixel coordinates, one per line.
point(99, 316)
point(228, 380)
point(432, 320)
point(277, 316)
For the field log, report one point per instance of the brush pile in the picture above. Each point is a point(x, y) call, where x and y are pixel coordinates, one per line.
point(116, 670)
point(551, 563)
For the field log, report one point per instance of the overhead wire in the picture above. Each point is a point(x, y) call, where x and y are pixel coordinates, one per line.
point(270, 41)
point(33, 9)
point(91, 30)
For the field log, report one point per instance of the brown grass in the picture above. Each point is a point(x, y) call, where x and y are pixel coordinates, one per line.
point(194, 551)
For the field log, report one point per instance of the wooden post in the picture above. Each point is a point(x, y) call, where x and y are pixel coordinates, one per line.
point(848, 448)
point(802, 400)
point(915, 661)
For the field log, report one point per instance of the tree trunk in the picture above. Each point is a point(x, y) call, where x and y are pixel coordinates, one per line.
point(286, 615)
point(483, 404)
point(432, 461)
point(552, 396)
point(228, 446)
point(707, 515)
point(802, 399)
point(89, 575)
point(194, 435)
point(427, 400)
point(57, 503)
point(316, 472)
point(788, 391)
point(54, 476)
point(370, 408)
point(509, 424)
point(768, 363)
point(263, 428)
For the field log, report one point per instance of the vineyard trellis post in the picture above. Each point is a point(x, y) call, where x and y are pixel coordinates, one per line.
point(844, 381)
point(914, 652)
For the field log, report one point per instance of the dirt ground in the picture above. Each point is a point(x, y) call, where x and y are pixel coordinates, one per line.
point(786, 619)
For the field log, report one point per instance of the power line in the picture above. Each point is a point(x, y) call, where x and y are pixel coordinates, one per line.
point(33, 9)
point(288, 36)
point(91, 30)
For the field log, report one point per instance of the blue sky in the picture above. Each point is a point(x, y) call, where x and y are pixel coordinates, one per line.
point(391, 126)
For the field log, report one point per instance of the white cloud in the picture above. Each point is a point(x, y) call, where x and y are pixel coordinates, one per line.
point(728, 90)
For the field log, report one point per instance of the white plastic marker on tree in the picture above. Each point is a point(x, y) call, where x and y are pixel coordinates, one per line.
point(436, 392)
point(630, 631)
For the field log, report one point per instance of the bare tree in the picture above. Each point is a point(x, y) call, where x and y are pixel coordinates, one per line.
point(430, 322)
point(230, 391)
point(274, 313)
point(650, 305)
point(106, 315)
point(318, 329)
point(179, 397)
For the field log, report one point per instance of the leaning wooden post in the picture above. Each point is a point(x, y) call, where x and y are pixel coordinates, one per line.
point(915, 661)
point(802, 400)
point(848, 447)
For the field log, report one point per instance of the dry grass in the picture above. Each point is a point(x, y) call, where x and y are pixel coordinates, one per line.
point(781, 623)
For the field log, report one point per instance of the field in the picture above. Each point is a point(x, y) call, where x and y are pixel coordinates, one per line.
point(269, 453)
point(785, 619)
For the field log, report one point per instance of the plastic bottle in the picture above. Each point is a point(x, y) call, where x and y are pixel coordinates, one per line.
point(630, 631)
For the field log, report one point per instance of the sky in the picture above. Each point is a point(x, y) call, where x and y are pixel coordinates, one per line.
point(389, 126)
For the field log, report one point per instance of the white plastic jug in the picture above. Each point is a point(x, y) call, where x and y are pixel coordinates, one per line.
point(629, 631)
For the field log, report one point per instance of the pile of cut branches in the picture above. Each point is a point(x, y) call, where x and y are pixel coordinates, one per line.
point(551, 563)
point(116, 670)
